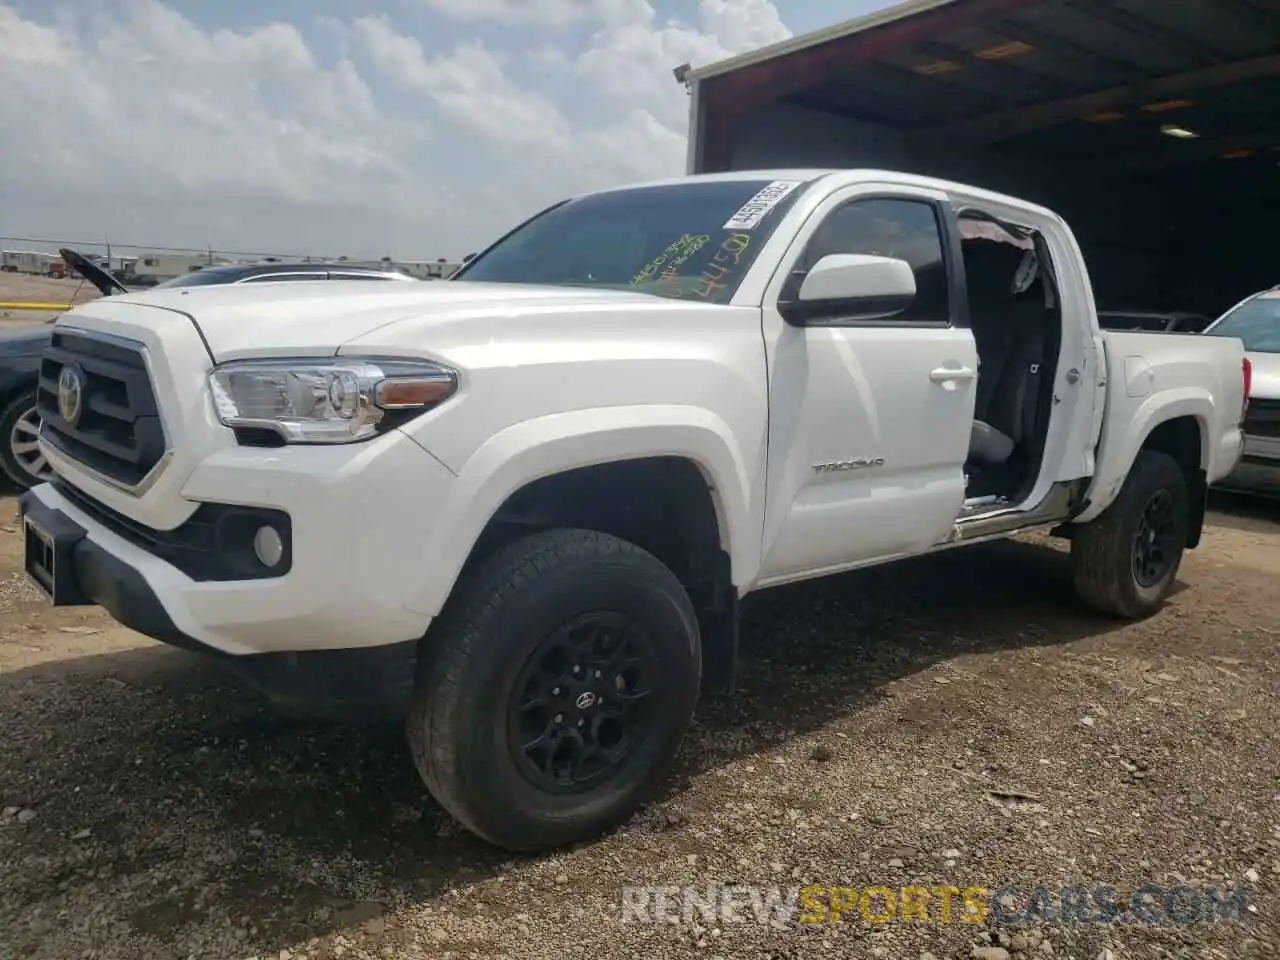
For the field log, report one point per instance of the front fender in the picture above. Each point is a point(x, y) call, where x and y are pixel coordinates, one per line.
point(1125, 432)
point(544, 446)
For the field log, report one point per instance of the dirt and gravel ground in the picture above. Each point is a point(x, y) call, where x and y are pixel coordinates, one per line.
point(959, 720)
point(18, 287)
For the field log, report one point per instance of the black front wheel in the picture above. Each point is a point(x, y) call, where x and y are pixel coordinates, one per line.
point(555, 689)
point(1126, 559)
point(20, 457)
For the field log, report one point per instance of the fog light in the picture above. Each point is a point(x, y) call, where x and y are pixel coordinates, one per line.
point(267, 546)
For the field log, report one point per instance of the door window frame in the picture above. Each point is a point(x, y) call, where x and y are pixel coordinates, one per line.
point(952, 256)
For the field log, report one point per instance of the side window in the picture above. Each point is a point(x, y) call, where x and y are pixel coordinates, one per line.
point(906, 229)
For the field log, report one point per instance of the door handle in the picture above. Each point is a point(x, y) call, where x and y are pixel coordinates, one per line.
point(951, 374)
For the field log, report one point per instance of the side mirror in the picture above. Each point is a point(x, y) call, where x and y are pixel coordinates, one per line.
point(851, 286)
point(468, 258)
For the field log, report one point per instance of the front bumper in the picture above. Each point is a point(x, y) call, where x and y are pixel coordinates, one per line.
point(366, 682)
point(332, 631)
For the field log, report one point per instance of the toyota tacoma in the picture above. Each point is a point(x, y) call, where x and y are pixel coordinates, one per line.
point(517, 510)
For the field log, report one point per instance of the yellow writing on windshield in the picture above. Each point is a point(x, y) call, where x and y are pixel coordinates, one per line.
point(671, 258)
point(734, 246)
point(716, 273)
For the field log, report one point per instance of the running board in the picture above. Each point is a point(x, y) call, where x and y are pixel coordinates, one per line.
point(1054, 508)
point(981, 504)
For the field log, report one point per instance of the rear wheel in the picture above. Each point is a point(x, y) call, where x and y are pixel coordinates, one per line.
point(20, 456)
point(1125, 560)
point(554, 691)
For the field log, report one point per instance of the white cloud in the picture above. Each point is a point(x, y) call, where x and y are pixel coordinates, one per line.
point(467, 84)
point(360, 134)
point(148, 126)
point(632, 61)
point(153, 99)
point(543, 155)
point(552, 13)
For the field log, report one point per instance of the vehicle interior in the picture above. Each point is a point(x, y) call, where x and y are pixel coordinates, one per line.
point(1017, 327)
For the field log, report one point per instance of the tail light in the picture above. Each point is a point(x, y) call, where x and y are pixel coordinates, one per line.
point(1246, 371)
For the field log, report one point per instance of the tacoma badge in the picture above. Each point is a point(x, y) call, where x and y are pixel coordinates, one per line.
point(854, 463)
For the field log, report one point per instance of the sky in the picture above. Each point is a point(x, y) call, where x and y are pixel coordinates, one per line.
point(414, 129)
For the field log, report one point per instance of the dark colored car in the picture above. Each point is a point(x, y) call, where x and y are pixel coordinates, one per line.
point(275, 272)
point(20, 348)
point(1153, 321)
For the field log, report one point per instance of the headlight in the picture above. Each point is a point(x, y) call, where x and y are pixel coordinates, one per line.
point(334, 400)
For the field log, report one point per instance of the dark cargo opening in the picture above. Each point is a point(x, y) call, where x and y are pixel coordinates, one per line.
point(1151, 126)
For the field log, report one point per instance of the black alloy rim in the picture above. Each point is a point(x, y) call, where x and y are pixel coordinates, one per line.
point(1155, 543)
point(581, 706)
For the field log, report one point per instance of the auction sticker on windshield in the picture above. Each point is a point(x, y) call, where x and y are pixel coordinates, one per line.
point(757, 208)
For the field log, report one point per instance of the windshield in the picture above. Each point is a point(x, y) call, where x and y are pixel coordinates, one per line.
point(1256, 322)
point(691, 241)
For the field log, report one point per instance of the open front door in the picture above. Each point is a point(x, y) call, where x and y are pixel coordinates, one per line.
point(870, 419)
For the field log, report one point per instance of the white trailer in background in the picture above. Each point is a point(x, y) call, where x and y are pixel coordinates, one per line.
point(166, 266)
point(26, 261)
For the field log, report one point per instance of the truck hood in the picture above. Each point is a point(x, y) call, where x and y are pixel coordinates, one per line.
point(107, 284)
point(1266, 375)
point(317, 318)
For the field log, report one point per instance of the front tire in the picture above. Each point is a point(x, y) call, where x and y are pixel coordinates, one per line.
point(20, 457)
point(555, 689)
point(1124, 561)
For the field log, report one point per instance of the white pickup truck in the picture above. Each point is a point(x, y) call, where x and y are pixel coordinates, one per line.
point(518, 509)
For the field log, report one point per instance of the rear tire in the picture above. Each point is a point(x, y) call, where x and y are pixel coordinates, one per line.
point(566, 653)
point(1125, 561)
point(20, 460)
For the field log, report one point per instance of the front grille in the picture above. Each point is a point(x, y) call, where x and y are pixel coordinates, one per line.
point(118, 433)
point(1262, 419)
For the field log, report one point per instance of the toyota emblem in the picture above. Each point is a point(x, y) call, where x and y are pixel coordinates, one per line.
point(70, 395)
point(585, 700)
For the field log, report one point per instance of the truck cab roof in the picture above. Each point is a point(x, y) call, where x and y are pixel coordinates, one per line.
point(841, 176)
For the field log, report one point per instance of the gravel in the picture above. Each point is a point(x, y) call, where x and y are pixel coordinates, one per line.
point(921, 724)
